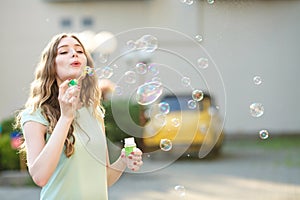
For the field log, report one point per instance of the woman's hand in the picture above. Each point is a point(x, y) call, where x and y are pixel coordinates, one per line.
point(134, 160)
point(68, 98)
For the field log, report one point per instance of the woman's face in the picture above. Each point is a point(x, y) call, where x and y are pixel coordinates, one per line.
point(70, 60)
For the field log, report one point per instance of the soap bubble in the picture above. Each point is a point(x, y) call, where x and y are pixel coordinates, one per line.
point(147, 43)
point(199, 38)
point(197, 95)
point(263, 134)
point(186, 81)
point(153, 69)
point(160, 120)
point(164, 108)
point(149, 92)
point(257, 80)
point(175, 122)
point(131, 44)
point(165, 144)
point(192, 104)
point(118, 90)
point(141, 68)
point(106, 72)
point(89, 71)
point(210, 1)
point(103, 58)
point(256, 109)
point(180, 190)
point(130, 77)
point(187, 2)
point(202, 63)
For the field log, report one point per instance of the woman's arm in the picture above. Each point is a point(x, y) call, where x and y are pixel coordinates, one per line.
point(43, 158)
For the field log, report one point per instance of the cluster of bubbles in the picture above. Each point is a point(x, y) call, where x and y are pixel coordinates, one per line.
point(257, 109)
point(147, 43)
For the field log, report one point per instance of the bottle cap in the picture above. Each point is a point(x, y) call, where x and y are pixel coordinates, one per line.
point(129, 141)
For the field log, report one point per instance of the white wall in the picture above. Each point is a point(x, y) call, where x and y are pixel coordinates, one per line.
point(243, 38)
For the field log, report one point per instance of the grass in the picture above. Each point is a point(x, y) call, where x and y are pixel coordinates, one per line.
point(285, 148)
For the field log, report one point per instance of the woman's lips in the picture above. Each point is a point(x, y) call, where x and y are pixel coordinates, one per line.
point(76, 64)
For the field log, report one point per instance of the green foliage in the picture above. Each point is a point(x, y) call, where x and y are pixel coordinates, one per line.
point(9, 158)
point(117, 123)
point(7, 125)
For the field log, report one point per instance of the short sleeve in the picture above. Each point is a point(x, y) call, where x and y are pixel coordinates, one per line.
point(36, 116)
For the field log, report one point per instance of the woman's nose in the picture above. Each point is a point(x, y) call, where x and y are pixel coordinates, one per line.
point(74, 53)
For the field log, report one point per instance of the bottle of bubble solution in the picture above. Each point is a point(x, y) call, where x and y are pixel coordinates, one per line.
point(129, 146)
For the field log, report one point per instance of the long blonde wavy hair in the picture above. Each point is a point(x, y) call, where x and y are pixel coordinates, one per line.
point(44, 91)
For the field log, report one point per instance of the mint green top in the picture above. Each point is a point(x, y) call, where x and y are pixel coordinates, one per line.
point(83, 175)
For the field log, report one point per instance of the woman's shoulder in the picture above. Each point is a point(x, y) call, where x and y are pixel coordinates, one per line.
point(29, 114)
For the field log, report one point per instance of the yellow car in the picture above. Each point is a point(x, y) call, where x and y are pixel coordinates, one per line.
point(184, 127)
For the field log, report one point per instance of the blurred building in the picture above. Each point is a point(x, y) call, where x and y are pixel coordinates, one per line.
point(243, 38)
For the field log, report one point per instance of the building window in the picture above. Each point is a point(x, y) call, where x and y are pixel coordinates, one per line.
point(87, 22)
point(66, 22)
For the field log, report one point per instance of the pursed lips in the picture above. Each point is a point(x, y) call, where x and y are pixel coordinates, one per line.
point(76, 64)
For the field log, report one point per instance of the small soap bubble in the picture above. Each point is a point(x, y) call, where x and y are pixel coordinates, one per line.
point(89, 71)
point(175, 122)
point(164, 108)
point(203, 128)
point(192, 104)
point(165, 144)
point(118, 90)
point(197, 95)
point(263, 134)
point(149, 43)
point(202, 63)
point(189, 2)
point(153, 69)
point(180, 190)
point(210, 1)
point(149, 92)
point(141, 68)
point(103, 58)
point(131, 44)
point(257, 80)
point(186, 82)
point(107, 72)
point(160, 120)
point(256, 109)
point(199, 38)
point(130, 77)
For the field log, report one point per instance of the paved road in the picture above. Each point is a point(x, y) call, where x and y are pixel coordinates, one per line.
point(240, 173)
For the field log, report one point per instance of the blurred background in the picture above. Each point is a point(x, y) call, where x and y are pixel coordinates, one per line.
point(252, 48)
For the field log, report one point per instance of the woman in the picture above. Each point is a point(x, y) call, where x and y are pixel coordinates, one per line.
point(63, 127)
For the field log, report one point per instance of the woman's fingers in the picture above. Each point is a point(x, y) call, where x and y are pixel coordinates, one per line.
point(134, 160)
point(62, 89)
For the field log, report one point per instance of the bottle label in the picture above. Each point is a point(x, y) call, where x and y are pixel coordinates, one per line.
point(128, 150)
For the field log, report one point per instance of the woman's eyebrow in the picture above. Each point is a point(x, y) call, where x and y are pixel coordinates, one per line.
point(66, 45)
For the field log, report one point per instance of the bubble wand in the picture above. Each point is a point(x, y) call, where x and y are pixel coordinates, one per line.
point(87, 70)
